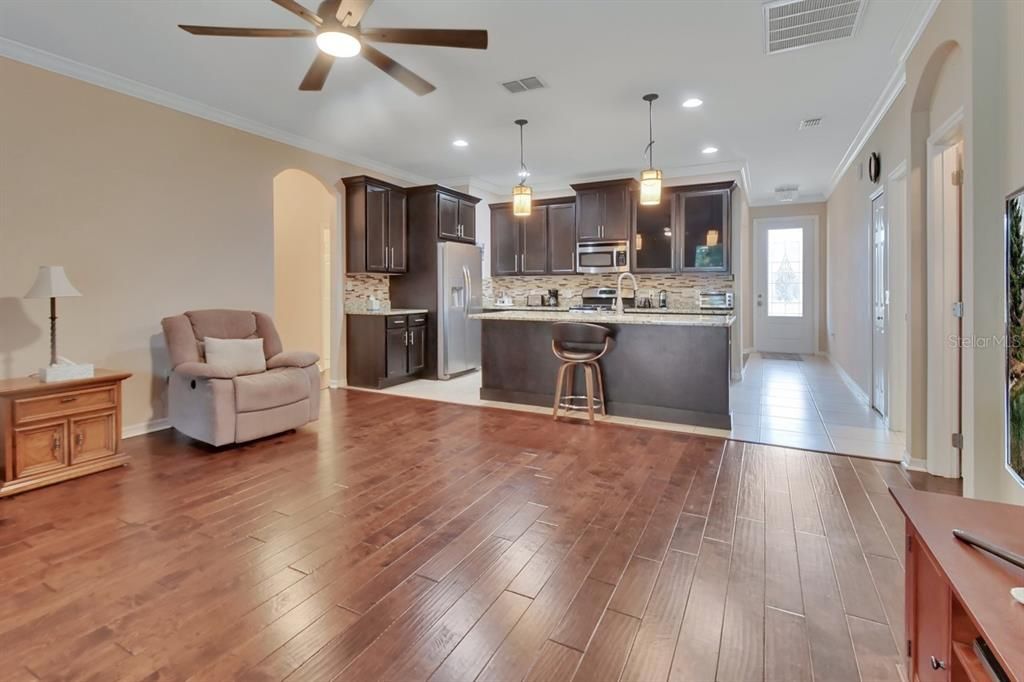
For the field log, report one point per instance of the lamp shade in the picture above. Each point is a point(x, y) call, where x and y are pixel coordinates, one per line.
point(522, 200)
point(52, 282)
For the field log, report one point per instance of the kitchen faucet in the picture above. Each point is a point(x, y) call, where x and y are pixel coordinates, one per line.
point(618, 292)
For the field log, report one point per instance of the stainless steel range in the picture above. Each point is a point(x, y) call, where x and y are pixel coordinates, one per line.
point(602, 300)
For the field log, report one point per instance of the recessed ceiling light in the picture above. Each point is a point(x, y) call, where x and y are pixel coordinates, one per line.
point(693, 103)
point(709, 150)
point(460, 143)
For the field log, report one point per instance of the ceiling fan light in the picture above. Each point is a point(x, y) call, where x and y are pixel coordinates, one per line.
point(522, 200)
point(650, 187)
point(338, 43)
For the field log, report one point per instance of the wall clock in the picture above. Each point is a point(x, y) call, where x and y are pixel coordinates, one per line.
point(874, 167)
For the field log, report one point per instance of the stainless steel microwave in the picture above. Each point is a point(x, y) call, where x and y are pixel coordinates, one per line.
point(598, 257)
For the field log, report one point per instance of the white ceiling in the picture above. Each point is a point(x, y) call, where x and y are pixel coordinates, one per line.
point(597, 57)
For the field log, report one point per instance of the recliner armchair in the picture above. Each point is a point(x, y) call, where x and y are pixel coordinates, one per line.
point(212, 404)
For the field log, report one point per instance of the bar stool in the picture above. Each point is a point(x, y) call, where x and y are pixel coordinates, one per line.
point(583, 344)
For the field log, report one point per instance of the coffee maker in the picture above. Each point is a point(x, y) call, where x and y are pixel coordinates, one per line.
point(551, 299)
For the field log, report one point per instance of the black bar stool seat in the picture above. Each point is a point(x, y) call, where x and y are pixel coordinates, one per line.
point(580, 344)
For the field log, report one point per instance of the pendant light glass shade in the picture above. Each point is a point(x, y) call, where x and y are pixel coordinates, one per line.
point(522, 195)
point(650, 178)
point(650, 187)
point(522, 200)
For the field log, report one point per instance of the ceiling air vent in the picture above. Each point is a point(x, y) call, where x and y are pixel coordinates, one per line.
point(523, 84)
point(786, 192)
point(810, 123)
point(792, 24)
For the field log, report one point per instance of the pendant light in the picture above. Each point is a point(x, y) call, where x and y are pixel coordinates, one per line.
point(522, 195)
point(650, 178)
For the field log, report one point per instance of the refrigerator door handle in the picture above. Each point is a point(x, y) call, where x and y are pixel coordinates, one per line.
point(469, 286)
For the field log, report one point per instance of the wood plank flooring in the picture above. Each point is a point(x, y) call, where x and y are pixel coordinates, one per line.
point(400, 539)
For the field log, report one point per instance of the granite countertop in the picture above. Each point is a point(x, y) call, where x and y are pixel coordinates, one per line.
point(638, 317)
point(391, 311)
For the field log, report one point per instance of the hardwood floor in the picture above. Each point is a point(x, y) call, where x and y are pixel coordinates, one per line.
point(400, 539)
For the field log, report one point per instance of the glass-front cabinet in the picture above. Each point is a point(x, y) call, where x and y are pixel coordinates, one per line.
point(654, 242)
point(705, 230)
point(688, 231)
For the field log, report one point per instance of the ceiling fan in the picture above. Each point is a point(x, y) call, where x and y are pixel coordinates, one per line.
point(338, 34)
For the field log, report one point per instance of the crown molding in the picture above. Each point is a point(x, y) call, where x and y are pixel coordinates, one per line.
point(48, 61)
point(881, 107)
point(884, 102)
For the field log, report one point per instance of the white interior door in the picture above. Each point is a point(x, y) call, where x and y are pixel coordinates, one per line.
point(785, 276)
point(944, 309)
point(880, 306)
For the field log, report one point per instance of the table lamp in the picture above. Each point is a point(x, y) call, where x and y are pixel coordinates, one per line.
point(52, 283)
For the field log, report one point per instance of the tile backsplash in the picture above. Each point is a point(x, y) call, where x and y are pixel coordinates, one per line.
point(682, 290)
point(358, 289)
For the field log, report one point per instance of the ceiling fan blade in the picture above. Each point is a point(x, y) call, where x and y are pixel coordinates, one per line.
point(439, 37)
point(247, 32)
point(317, 74)
point(298, 10)
point(396, 71)
point(350, 12)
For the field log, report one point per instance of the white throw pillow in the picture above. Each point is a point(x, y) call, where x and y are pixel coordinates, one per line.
point(240, 356)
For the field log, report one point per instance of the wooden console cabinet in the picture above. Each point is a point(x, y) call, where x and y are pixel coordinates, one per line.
point(54, 432)
point(956, 593)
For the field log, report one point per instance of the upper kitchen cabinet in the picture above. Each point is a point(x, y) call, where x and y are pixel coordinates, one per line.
point(604, 210)
point(539, 244)
point(451, 213)
point(654, 244)
point(376, 232)
point(704, 221)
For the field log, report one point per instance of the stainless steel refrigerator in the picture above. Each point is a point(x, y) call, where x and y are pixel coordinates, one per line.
point(459, 280)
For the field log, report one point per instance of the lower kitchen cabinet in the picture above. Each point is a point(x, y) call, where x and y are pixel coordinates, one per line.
point(384, 350)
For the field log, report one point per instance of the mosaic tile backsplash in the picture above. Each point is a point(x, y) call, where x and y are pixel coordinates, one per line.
point(682, 290)
point(358, 289)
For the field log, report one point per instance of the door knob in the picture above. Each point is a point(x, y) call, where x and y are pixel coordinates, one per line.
point(937, 664)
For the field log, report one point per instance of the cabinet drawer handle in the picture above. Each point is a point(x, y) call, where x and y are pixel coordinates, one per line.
point(412, 338)
point(938, 664)
point(69, 399)
point(56, 442)
point(397, 321)
point(79, 439)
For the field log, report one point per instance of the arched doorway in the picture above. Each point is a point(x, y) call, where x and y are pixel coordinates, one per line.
point(304, 213)
point(935, 209)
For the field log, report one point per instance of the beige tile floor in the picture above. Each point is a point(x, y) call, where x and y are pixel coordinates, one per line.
point(800, 404)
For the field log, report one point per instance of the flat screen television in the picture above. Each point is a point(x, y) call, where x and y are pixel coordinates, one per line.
point(1015, 334)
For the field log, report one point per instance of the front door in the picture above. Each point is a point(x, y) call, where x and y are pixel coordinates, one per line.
point(785, 255)
point(879, 306)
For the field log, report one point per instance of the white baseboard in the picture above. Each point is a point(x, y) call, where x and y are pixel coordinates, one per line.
point(132, 430)
point(850, 383)
point(914, 464)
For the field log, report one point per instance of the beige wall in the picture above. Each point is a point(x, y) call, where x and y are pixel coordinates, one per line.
point(817, 210)
point(303, 210)
point(969, 57)
point(151, 211)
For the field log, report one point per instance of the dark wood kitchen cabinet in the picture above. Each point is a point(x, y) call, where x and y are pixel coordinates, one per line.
point(704, 223)
point(375, 220)
point(539, 244)
point(447, 212)
point(562, 238)
point(385, 350)
point(604, 210)
point(654, 244)
point(689, 231)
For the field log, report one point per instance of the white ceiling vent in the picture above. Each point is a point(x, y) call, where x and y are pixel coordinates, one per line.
point(810, 123)
point(523, 84)
point(792, 24)
point(787, 192)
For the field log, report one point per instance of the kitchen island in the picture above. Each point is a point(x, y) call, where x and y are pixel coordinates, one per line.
point(665, 367)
